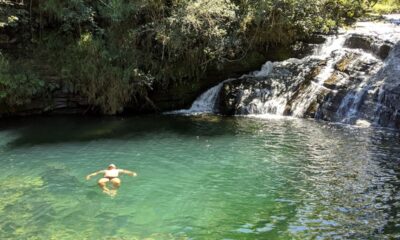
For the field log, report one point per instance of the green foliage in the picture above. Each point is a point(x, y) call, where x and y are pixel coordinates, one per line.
point(115, 51)
point(346, 10)
point(12, 17)
point(18, 84)
point(281, 22)
point(73, 15)
point(387, 6)
point(195, 34)
point(103, 77)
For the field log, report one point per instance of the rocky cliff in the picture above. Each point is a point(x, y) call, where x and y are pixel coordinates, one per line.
point(352, 78)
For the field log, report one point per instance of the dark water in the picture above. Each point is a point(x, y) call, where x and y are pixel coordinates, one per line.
point(199, 178)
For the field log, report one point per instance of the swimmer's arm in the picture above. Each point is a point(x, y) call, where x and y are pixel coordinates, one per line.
point(130, 173)
point(94, 174)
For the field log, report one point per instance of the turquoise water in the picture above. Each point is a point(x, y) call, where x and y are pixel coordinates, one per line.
point(198, 178)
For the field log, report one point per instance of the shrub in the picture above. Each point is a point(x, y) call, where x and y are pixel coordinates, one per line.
point(115, 51)
point(18, 84)
point(387, 6)
point(101, 77)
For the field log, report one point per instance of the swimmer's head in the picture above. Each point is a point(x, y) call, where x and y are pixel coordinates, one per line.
point(112, 166)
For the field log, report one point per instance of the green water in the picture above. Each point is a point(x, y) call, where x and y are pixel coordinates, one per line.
point(199, 178)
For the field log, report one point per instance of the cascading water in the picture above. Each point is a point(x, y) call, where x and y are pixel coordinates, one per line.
point(265, 70)
point(345, 79)
point(324, 51)
point(331, 44)
point(205, 103)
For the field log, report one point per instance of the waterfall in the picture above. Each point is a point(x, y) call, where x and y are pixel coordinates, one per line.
point(324, 51)
point(278, 104)
point(351, 103)
point(344, 79)
point(265, 70)
point(205, 103)
point(331, 44)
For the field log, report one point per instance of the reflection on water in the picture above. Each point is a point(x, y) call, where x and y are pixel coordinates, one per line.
point(202, 177)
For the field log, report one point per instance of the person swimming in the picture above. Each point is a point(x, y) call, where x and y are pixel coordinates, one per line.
point(111, 174)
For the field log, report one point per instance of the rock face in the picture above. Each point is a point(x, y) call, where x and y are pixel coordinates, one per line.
point(387, 98)
point(178, 96)
point(356, 82)
point(60, 103)
point(258, 93)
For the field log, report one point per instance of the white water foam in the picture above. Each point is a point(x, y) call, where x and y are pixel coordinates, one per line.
point(331, 44)
point(266, 69)
point(324, 51)
point(204, 104)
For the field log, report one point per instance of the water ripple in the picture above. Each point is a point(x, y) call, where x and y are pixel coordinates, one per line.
point(202, 177)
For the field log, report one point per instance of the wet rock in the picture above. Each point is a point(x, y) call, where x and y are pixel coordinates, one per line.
point(349, 80)
point(294, 87)
point(336, 81)
point(236, 95)
point(356, 84)
point(383, 50)
point(248, 94)
point(329, 107)
point(370, 44)
point(312, 109)
point(316, 39)
point(381, 105)
point(344, 64)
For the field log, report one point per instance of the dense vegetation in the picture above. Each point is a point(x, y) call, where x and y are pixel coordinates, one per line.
point(113, 52)
point(386, 6)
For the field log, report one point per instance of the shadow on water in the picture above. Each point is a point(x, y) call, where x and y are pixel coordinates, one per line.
point(62, 129)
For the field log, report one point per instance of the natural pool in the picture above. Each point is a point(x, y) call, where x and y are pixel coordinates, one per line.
point(202, 177)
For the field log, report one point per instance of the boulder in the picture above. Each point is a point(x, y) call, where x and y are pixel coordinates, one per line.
point(370, 44)
point(236, 96)
point(249, 94)
point(386, 97)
